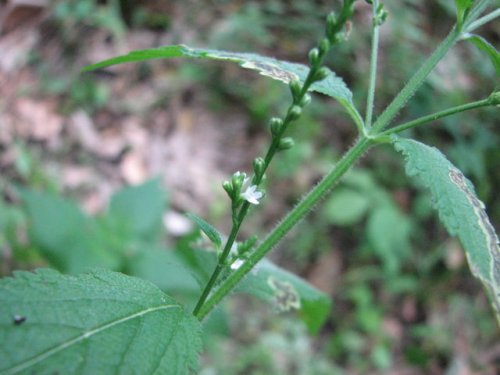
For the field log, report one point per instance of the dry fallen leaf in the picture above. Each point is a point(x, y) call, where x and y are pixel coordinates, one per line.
point(38, 119)
point(133, 168)
point(19, 13)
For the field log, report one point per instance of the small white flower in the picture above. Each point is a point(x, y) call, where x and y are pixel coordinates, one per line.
point(252, 195)
point(237, 264)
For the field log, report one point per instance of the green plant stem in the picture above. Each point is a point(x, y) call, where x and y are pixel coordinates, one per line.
point(415, 82)
point(373, 67)
point(483, 20)
point(436, 116)
point(218, 268)
point(204, 305)
point(240, 216)
point(292, 218)
point(476, 10)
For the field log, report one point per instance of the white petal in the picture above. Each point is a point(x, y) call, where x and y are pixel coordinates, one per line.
point(237, 264)
point(251, 195)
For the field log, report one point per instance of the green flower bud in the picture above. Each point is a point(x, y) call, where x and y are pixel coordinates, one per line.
point(314, 57)
point(294, 112)
point(381, 15)
point(331, 26)
point(237, 180)
point(321, 74)
point(295, 88)
point(276, 124)
point(305, 100)
point(286, 143)
point(324, 46)
point(228, 187)
point(494, 98)
point(258, 166)
point(331, 20)
point(247, 245)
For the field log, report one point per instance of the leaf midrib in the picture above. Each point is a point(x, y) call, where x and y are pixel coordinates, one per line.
point(85, 335)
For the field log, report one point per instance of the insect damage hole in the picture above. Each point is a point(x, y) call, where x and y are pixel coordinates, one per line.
point(286, 297)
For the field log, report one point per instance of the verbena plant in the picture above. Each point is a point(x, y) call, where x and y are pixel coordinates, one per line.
point(105, 322)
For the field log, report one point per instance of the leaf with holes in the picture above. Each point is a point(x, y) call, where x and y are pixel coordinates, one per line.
point(459, 209)
point(101, 322)
point(279, 70)
point(287, 292)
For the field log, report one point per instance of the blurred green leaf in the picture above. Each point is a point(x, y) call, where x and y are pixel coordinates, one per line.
point(212, 233)
point(459, 209)
point(166, 270)
point(346, 207)
point(140, 208)
point(485, 46)
point(382, 357)
point(287, 292)
point(100, 322)
point(70, 240)
point(276, 69)
point(388, 231)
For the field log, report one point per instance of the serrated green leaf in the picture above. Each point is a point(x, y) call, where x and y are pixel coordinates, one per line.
point(140, 208)
point(67, 238)
point(459, 209)
point(483, 45)
point(100, 322)
point(279, 70)
point(212, 233)
point(287, 292)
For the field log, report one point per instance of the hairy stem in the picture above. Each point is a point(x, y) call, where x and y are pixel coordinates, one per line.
point(415, 82)
point(373, 67)
point(483, 20)
point(243, 211)
point(475, 12)
point(292, 218)
point(316, 73)
point(436, 116)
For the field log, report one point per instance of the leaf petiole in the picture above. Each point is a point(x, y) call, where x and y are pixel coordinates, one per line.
point(436, 116)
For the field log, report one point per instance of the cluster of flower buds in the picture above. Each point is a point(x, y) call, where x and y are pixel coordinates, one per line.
point(338, 27)
point(240, 252)
point(380, 15)
point(238, 189)
point(494, 98)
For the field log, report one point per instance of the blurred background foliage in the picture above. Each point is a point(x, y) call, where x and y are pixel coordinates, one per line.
point(404, 301)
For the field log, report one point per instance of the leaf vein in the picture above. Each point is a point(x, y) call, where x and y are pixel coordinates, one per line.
point(85, 335)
